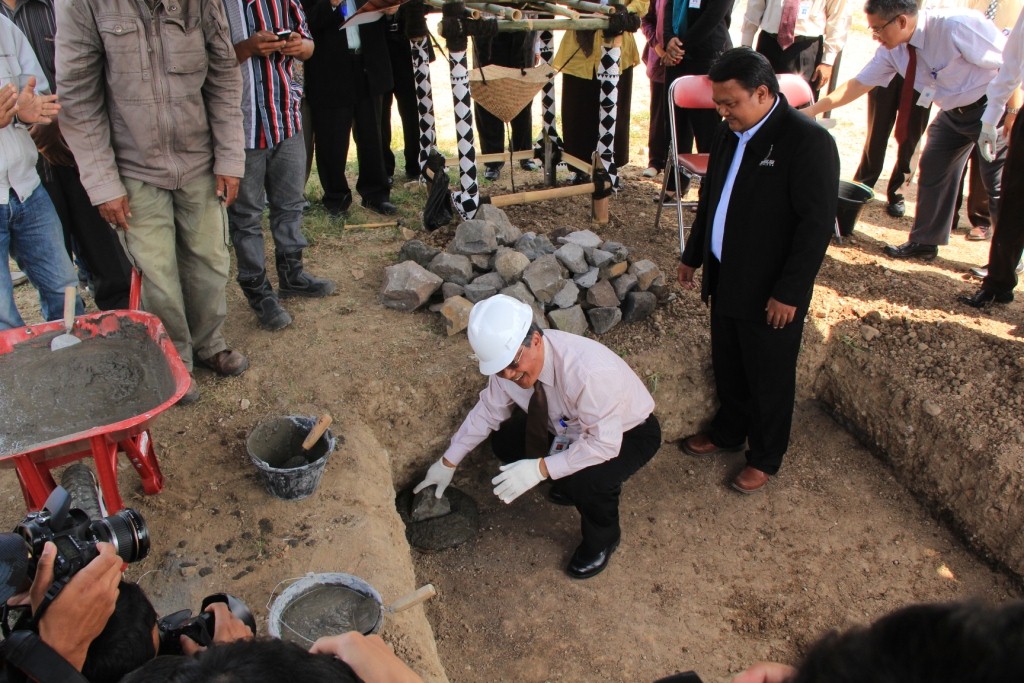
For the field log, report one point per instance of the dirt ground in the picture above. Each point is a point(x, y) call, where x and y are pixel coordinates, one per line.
point(705, 579)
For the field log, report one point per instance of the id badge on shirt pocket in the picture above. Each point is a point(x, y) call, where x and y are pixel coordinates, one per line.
point(804, 12)
point(560, 444)
point(927, 95)
point(694, 4)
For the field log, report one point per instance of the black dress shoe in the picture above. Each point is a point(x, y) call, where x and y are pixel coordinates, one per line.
point(579, 178)
point(558, 497)
point(981, 272)
point(529, 165)
point(340, 207)
point(385, 207)
point(491, 173)
point(583, 567)
point(896, 209)
point(925, 252)
point(984, 297)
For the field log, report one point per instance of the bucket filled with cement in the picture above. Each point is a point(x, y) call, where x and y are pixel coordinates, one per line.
point(319, 605)
point(275, 447)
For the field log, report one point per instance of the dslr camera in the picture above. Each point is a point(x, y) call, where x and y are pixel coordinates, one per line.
point(75, 536)
point(199, 628)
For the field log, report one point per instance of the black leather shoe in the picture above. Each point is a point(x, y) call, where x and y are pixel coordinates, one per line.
point(339, 208)
point(581, 567)
point(984, 297)
point(491, 173)
point(896, 209)
point(556, 496)
point(386, 208)
point(925, 252)
point(529, 165)
point(981, 272)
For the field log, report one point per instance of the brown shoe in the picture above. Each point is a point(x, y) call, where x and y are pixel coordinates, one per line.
point(701, 444)
point(227, 363)
point(749, 480)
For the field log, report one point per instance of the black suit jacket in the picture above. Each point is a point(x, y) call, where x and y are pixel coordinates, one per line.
point(706, 36)
point(332, 71)
point(780, 219)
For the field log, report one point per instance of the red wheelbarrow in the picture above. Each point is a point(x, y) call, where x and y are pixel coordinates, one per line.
point(102, 442)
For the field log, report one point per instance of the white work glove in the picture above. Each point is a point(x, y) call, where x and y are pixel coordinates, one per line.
point(516, 479)
point(439, 475)
point(988, 141)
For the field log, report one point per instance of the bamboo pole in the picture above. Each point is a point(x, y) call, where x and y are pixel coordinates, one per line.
point(577, 163)
point(558, 10)
point(497, 10)
point(591, 7)
point(583, 24)
point(439, 4)
point(503, 156)
point(356, 226)
point(541, 195)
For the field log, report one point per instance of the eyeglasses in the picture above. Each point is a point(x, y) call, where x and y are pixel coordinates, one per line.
point(877, 30)
point(514, 365)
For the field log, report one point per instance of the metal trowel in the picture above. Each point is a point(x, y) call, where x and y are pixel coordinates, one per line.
point(367, 614)
point(67, 339)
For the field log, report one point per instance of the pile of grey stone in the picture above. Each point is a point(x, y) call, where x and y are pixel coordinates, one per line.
point(576, 283)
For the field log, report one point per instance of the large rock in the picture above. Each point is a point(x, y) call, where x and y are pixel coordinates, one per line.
point(452, 268)
point(474, 237)
point(519, 292)
point(478, 292)
point(415, 250)
point(533, 245)
point(491, 280)
point(624, 284)
point(503, 228)
point(646, 272)
point(539, 319)
point(584, 238)
point(638, 305)
point(510, 264)
point(481, 262)
point(569, 320)
point(600, 257)
point(456, 312)
point(618, 251)
point(567, 296)
point(407, 286)
point(450, 289)
point(544, 278)
point(588, 279)
point(604, 319)
point(612, 270)
point(572, 257)
point(602, 295)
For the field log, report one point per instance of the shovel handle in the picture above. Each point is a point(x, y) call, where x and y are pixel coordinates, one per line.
point(322, 423)
point(69, 307)
point(421, 594)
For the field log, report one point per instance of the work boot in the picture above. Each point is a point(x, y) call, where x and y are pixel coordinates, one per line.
point(264, 301)
point(293, 281)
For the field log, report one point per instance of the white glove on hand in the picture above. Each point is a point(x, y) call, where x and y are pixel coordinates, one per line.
point(516, 479)
point(987, 141)
point(439, 475)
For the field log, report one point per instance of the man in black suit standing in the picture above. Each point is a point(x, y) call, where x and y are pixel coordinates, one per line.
point(766, 214)
point(346, 79)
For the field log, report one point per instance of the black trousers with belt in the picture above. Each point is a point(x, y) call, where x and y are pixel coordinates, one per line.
point(1008, 238)
point(594, 490)
point(755, 376)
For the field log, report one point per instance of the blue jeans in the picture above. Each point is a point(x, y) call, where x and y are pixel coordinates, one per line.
point(30, 231)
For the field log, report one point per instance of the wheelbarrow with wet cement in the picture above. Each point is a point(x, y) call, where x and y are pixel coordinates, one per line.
point(58, 410)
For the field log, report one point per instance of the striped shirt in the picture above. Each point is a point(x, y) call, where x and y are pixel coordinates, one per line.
point(35, 19)
point(271, 97)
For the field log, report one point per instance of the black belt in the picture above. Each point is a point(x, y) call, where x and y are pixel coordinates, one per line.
point(967, 108)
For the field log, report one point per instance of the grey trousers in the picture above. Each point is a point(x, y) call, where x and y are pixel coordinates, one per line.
point(281, 172)
point(951, 137)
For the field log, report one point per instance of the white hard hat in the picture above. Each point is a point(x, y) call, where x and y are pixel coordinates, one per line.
point(497, 328)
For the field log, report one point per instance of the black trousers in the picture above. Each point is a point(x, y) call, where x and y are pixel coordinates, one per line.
point(883, 103)
point(657, 135)
point(595, 490)
point(692, 125)
point(1008, 237)
point(404, 95)
point(755, 376)
point(96, 243)
point(580, 107)
point(978, 213)
point(802, 57)
point(506, 49)
point(333, 127)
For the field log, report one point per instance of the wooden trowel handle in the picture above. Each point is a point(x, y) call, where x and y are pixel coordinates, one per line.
point(69, 307)
point(412, 599)
point(317, 431)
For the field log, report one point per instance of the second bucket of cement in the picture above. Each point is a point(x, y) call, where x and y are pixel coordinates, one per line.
point(275, 447)
point(326, 604)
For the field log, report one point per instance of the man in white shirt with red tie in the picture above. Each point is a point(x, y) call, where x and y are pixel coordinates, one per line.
point(949, 57)
point(559, 406)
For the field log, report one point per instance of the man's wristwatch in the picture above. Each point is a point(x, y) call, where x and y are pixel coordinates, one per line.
point(1013, 111)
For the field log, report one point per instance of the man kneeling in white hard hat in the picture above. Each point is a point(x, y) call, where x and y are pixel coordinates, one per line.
point(588, 422)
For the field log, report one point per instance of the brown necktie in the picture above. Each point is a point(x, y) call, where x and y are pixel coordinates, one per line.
point(537, 423)
point(906, 97)
point(787, 23)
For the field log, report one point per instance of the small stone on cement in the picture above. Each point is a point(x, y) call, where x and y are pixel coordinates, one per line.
point(425, 505)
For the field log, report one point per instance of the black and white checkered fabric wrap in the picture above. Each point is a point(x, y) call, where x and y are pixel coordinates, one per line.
point(467, 198)
point(424, 99)
point(608, 79)
point(547, 53)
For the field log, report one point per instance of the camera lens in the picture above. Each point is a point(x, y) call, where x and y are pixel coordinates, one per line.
point(127, 531)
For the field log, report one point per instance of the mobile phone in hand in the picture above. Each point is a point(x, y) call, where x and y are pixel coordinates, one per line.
point(283, 34)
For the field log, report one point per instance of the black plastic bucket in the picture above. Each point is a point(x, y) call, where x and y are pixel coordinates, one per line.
point(852, 198)
point(273, 446)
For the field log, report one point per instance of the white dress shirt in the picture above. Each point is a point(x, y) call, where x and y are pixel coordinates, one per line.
point(958, 55)
point(593, 398)
point(828, 18)
point(1011, 73)
point(718, 223)
point(17, 151)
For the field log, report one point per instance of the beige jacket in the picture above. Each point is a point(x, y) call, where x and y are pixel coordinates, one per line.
point(150, 94)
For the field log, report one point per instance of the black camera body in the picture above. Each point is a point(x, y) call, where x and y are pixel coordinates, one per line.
point(199, 628)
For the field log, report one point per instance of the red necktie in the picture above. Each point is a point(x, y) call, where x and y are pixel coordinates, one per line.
point(537, 423)
point(906, 97)
point(787, 23)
